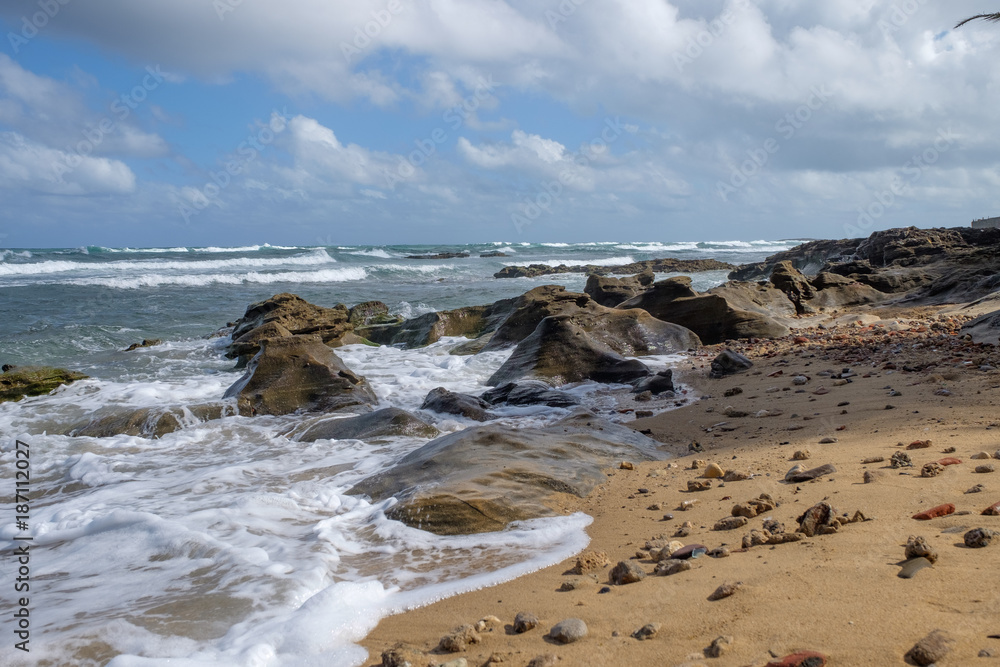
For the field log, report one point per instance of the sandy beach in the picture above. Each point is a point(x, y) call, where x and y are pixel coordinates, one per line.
point(837, 594)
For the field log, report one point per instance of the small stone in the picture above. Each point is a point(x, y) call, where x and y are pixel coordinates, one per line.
point(949, 450)
point(820, 519)
point(730, 523)
point(733, 413)
point(985, 653)
point(642, 414)
point(459, 639)
point(992, 510)
point(931, 648)
point(801, 455)
point(873, 459)
point(978, 488)
point(524, 621)
point(626, 572)
point(666, 551)
point(688, 504)
point(402, 655)
point(457, 662)
point(919, 444)
point(568, 631)
point(725, 590)
point(544, 660)
point(800, 659)
point(981, 455)
point(774, 526)
point(935, 512)
point(719, 552)
point(932, 469)
point(901, 460)
point(872, 476)
point(719, 646)
point(713, 471)
point(644, 396)
point(684, 529)
point(575, 584)
point(690, 551)
point(977, 538)
point(917, 547)
point(488, 624)
point(626, 465)
point(948, 461)
point(800, 380)
point(698, 464)
point(735, 391)
point(698, 485)
point(985, 468)
point(827, 441)
point(797, 474)
point(655, 507)
point(589, 561)
point(671, 566)
point(912, 566)
point(647, 631)
point(735, 476)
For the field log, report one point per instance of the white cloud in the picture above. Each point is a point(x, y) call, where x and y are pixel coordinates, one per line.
point(26, 164)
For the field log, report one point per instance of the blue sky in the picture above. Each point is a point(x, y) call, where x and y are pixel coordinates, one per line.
point(194, 122)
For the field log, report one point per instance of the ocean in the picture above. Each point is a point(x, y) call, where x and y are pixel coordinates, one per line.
point(225, 542)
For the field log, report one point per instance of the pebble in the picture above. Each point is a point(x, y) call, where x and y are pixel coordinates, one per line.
point(684, 529)
point(985, 468)
point(873, 459)
point(992, 510)
point(568, 631)
point(698, 485)
point(912, 566)
point(735, 476)
point(488, 623)
point(457, 662)
point(626, 572)
point(981, 455)
point(800, 659)
point(935, 512)
point(719, 552)
point(735, 391)
point(919, 444)
point(647, 631)
point(797, 474)
point(820, 519)
point(977, 538)
point(575, 583)
point(626, 465)
point(524, 621)
point(800, 380)
point(917, 547)
point(655, 507)
point(949, 461)
point(801, 455)
point(690, 551)
point(402, 655)
point(671, 566)
point(642, 414)
point(688, 504)
point(931, 648)
point(821, 391)
point(872, 476)
point(644, 396)
point(827, 441)
point(590, 561)
point(713, 470)
point(730, 523)
point(544, 660)
point(719, 646)
point(698, 464)
point(459, 639)
point(726, 590)
point(932, 469)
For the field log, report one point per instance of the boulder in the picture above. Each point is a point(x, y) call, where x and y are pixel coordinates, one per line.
point(144, 422)
point(370, 312)
point(16, 382)
point(794, 285)
point(146, 342)
point(560, 352)
point(451, 403)
point(759, 297)
point(529, 392)
point(984, 329)
point(610, 292)
point(482, 478)
point(471, 322)
point(729, 363)
point(655, 384)
point(710, 316)
point(299, 373)
point(384, 423)
point(296, 316)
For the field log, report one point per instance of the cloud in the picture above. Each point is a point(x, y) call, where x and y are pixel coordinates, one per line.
point(25, 164)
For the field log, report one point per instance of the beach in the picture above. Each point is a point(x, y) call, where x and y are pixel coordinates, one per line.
point(836, 594)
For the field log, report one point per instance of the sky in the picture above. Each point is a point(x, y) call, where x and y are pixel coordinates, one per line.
point(207, 122)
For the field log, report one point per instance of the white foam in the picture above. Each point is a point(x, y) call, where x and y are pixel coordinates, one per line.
point(155, 280)
point(607, 261)
point(375, 252)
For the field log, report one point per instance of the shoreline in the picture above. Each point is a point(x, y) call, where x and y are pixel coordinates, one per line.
point(837, 594)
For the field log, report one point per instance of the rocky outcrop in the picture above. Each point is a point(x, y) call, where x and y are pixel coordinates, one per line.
point(370, 312)
point(144, 422)
point(529, 392)
point(440, 255)
point(146, 342)
point(710, 316)
point(482, 478)
point(628, 332)
point(559, 351)
point(610, 292)
point(471, 322)
point(299, 373)
point(451, 403)
point(16, 382)
point(808, 257)
point(984, 329)
point(667, 265)
point(825, 291)
point(288, 314)
point(384, 423)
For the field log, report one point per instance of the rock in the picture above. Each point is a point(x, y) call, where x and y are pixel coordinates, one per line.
point(657, 384)
point(873, 459)
point(610, 292)
point(730, 523)
point(912, 566)
point(289, 313)
point(873, 476)
point(796, 474)
point(977, 538)
point(590, 561)
point(978, 488)
point(448, 402)
point(298, 373)
point(801, 455)
point(626, 465)
point(827, 441)
point(544, 660)
point(981, 455)
point(931, 649)
point(402, 655)
point(384, 423)
point(935, 512)
point(932, 469)
point(626, 572)
point(726, 590)
point(948, 461)
point(668, 265)
point(561, 352)
point(734, 391)
point(671, 566)
point(713, 470)
point(988, 468)
point(719, 647)
point(697, 485)
point(820, 519)
point(735, 476)
point(665, 551)
point(729, 363)
point(992, 510)
point(901, 460)
point(524, 621)
point(144, 422)
point(440, 255)
point(689, 551)
point(19, 381)
point(710, 316)
point(919, 444)
point(568, 631)
point(457, 662)
point(719, 552)
point(483, 477)
point(488, 624)
point(755, 507)
point(471, 322)
point(800, 659)
point(647, 631)
point(790, 280)
point(917, 547)
point(529, 392)
point(146, 342)
point(459, 639)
